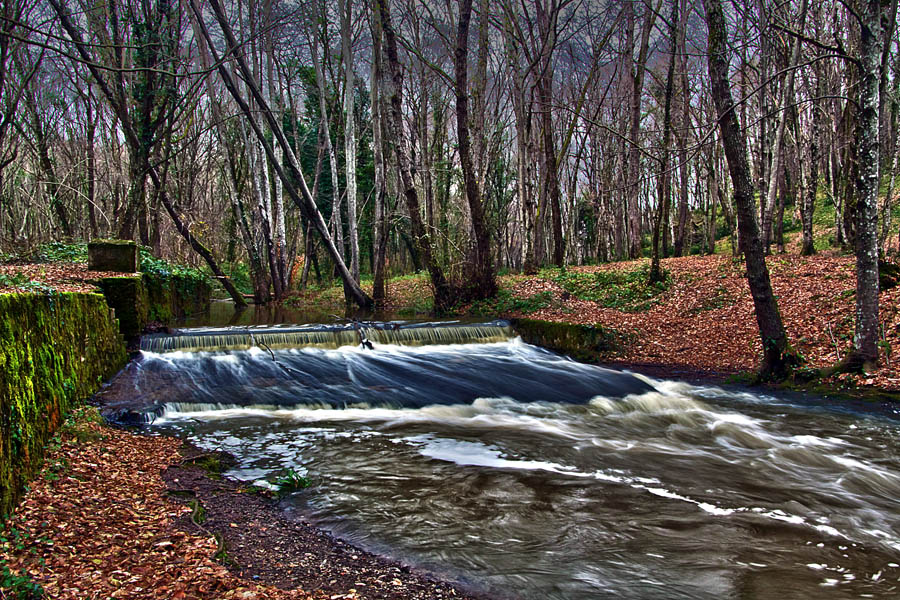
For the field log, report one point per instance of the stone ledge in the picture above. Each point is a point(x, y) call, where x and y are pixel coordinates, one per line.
point(120, 256)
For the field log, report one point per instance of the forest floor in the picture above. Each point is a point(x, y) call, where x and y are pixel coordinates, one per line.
point(115, 514)
point(700, 322)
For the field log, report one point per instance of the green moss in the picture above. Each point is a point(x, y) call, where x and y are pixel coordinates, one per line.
point(213, 463)
point(154, 297)
point(175, 295)
point(627, 290)
point(587, 343)
point(54, 350)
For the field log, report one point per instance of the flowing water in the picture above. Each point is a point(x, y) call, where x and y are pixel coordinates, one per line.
point(526, 475)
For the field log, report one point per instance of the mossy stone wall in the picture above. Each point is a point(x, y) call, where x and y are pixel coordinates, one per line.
point(586, 343)
point(55, 350)
point(140, 300)
point(128, 297)
point(113, 255)
point(175, 296)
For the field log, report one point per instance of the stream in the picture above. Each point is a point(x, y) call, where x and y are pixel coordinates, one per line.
point(523, 474)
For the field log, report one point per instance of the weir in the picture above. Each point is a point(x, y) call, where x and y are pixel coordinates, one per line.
point(326, 336)
point(329, 367)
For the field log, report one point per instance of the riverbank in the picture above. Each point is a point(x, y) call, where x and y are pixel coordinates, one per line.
point(123, 515)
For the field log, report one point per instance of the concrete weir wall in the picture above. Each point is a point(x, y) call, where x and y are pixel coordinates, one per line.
point(55, 350)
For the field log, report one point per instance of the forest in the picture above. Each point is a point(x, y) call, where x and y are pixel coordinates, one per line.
point(431, 299)
point(275, 142)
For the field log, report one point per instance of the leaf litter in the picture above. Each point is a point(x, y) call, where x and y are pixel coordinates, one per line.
point(101, 521)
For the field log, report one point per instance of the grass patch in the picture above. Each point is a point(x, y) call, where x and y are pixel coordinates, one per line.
point(290, 481)
point(628, 291)
point(213, 463)
point(506, 302)
point(720, 298)
point(421, 305)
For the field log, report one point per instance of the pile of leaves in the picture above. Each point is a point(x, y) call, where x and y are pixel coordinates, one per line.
point(98, 524)
point(49, 277)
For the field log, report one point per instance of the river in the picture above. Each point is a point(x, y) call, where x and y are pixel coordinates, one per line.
point(523, 474)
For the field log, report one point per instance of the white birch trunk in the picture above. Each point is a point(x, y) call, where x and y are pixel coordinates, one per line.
point(350, 135)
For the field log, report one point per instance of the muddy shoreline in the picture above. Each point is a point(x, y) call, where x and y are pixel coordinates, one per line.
point(264, 545)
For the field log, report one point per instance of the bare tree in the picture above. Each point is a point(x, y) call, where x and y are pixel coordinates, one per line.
point(777, 354)
point(350, 133)
point(120, 105)
point(302, 198)
point(865, 339)
point(393, 92)
point(483, 284)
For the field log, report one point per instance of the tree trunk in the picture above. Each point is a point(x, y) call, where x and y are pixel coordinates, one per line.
point(787, 96)
point(350, 135)
point(393, 91)
point(638, 70)
point(547, 27)
point(808, 202)
point(665, 177)
point(234, 188)
point(777, 355)
point(864, 355)
point(681, 140)
point(483, 284)
point(523, 149)
point(334, 223)
point(91, 165)
point(380, 242)
point(120, 107)
point(301, 197)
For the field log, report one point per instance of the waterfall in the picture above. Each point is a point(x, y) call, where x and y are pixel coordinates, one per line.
point(326, 336)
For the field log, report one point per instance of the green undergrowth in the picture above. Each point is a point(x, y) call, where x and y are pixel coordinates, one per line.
point(290, 481)
point(16, 586)
point(214, 464)
point(421, 305)
point(22, 282)
point(506, 302)
point(628, 291)
point(52, 252)
point(165, 269)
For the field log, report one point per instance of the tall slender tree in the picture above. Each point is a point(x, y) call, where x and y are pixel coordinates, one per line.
point(778, 356)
